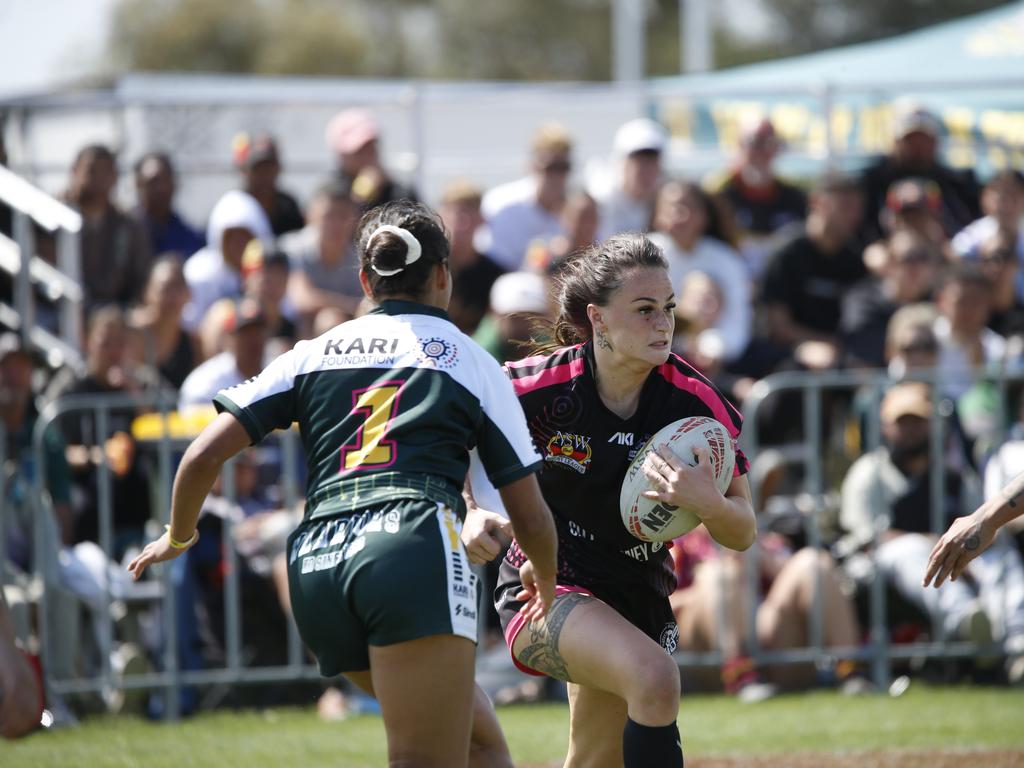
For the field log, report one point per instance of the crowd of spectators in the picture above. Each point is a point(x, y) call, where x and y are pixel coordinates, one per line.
point(908, 265)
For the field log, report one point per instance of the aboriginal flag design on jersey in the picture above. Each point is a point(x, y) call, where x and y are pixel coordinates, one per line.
point(586, 450)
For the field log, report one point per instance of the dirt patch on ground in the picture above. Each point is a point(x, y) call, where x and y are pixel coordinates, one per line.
point(883, 759)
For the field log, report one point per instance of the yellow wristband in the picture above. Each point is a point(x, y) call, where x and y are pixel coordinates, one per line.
point(180, 544)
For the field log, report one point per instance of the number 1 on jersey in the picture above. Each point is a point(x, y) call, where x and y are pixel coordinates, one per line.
point(371, 450)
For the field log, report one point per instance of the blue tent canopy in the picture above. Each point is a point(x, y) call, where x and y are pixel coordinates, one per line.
point(970, 72)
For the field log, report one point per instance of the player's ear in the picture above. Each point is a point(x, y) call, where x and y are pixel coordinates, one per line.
point(364, 281)
point(442, 276)
point(594, 315)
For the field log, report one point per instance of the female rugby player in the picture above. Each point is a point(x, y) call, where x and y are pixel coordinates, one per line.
point(387, 404)
point(590, 405)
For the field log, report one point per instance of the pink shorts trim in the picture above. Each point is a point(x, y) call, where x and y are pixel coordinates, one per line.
point(519, 621)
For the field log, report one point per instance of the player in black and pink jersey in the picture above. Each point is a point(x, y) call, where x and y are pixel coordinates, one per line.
point(590, 405)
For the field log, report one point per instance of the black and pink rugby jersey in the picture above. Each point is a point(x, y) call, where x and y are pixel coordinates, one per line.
point(586, 450)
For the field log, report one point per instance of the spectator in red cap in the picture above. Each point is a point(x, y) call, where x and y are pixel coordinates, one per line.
point(915, 154)
point(260, 163)
point(354, 137)
point(265, 279)
point(762, 203)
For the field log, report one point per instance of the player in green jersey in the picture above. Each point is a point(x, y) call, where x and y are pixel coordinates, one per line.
point(388, 406)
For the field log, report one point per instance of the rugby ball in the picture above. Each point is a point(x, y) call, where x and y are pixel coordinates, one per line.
point(651, 520)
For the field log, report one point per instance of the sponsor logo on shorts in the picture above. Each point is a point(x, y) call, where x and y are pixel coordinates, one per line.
point(465, 612)
point(570, 450)
point(669, 639)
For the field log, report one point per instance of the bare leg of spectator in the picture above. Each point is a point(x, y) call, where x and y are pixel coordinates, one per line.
point(783, 620)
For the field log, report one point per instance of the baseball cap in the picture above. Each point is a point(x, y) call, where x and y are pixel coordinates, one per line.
point(914, 118)
point(350, 130)
point(248, 151)
point(519, 292)
point(911, 398)
point(242, 314)
point(640, 135)
point(256, 256)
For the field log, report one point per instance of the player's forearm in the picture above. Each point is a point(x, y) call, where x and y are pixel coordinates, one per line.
point(733, 525)
point(196, 475)
point(1006, 506)
point(535, 532)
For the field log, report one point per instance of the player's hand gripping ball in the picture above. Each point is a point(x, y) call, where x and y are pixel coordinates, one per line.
point(654, 520)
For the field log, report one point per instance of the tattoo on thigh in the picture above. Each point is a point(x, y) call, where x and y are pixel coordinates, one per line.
point(542, 651)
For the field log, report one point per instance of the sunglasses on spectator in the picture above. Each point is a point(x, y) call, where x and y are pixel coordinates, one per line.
point(557, 166)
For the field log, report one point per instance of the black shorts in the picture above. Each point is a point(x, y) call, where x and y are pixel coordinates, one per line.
point(636, 602)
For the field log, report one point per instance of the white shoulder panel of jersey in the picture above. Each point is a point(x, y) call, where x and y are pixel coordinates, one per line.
point(277, 377)
point(485, 494)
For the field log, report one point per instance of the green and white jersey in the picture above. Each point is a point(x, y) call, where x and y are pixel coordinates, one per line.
point(388, 407)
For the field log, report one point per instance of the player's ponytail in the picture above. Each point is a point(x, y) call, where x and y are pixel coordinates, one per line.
point(590, 276)
point(399, 244)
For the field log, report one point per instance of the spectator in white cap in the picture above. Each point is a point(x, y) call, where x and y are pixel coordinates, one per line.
point(627, 204)
point(528, 210)
point(353, 135)
point(916, 134)
point(517, 300)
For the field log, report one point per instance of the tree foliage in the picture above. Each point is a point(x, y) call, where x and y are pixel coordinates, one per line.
point(241, 36)
point(474, 39)
point(810, 25)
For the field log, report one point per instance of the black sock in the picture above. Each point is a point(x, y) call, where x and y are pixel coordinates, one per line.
point(651, 746)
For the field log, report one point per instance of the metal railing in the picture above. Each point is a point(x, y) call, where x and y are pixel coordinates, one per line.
point(31, 273)
point(167, 447)
point(164, 446)
point(810, 456)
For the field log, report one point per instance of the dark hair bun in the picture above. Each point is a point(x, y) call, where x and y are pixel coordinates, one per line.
point(387, 251)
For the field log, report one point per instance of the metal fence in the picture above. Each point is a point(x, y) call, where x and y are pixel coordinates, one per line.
point(164, 445)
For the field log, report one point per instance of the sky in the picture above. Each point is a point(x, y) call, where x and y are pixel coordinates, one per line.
point(43, 42)
point(48, 42)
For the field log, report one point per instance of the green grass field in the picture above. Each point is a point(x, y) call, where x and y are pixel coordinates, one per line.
point(923, 719)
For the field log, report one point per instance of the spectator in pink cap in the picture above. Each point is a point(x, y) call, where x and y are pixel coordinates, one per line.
point(354, 137)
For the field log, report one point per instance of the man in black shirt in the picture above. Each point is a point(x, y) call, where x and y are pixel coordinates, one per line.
point(806, 276)
point(260, 163)
point(473, 273)
point(915, 154)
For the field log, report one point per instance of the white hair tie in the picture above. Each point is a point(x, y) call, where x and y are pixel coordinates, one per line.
point(413, 247)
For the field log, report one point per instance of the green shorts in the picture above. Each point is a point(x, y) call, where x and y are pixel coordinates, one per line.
point(394, 572)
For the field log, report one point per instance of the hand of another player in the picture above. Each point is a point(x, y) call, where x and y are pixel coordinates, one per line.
point(675, 482)
point(538, 591)
point(157, 551)
point(485, 535)
point(966, 538)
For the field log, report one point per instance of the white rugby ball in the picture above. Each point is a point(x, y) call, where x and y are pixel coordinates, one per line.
point(652, 520)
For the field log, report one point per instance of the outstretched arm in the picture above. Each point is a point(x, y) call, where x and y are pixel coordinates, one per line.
point(219, 441)
point(969, 536)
